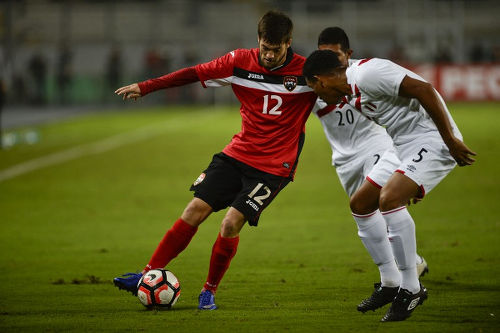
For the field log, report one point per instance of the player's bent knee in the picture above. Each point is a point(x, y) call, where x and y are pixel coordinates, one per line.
point(389, 201)
point(356, 206)
point(228, 230)
point(196, 212)
point(360, 206)
point(231, 228)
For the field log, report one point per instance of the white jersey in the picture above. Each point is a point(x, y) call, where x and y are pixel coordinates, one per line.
point(375, 87)
point(349, 133)
point(359, 146)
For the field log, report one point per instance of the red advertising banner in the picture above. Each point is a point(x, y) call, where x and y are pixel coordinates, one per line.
point(463, 82)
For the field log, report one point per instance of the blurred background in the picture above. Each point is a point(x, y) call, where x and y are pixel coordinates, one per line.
point(62, 55)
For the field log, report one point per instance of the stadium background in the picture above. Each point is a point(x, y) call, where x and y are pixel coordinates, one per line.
point(77, 52)
point(85, 199)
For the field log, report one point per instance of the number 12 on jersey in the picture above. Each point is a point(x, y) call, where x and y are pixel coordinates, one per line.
point(275, 109)
point(260, 198)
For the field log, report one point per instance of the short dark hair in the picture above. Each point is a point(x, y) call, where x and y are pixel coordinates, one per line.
point(320, 62)
point(334, 35)
point(275, 27)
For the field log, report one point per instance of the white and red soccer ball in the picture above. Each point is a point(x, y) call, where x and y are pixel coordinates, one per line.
point(158, 288)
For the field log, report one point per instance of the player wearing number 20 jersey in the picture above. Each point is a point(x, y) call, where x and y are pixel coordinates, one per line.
point(360, 148)
point(275, 104)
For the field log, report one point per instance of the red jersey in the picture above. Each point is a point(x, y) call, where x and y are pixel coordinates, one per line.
point(275, 105)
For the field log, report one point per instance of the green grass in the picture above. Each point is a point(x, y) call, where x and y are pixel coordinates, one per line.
point(66, 230)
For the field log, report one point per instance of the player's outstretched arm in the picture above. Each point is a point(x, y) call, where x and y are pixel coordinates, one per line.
point(426, 95)
point(178, 78)
point(129, 92)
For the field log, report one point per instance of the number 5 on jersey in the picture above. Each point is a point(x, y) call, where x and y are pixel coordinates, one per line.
point(420, 155)
point(275, 109)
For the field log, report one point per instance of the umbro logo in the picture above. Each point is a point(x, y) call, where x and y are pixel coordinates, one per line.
point(255, 76)
point(413, 304)
point(411, 168)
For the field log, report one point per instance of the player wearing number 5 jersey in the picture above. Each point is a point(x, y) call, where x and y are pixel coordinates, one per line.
point(426, 138)
point(364, 158)
point(258, 162)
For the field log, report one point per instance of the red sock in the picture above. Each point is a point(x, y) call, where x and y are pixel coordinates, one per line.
point(174, 242)
point(223, 251)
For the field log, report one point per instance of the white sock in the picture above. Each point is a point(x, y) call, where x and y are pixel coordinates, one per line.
point(404, 246)
point(372, 231)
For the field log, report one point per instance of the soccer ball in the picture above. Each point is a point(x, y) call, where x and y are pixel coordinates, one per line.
point(158, 288)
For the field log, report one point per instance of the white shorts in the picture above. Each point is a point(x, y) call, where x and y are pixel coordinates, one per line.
point(379, 165)
point(383, 170)
point(426, 161)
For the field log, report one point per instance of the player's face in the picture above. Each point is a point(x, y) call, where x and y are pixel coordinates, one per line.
point(272, 55)
point(328, 88)
point(343, 56)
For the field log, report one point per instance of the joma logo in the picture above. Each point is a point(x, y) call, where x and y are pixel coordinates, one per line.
point(252, 204)
point(255, 76)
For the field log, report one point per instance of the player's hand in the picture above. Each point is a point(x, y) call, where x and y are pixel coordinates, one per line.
point(461, 153)
point(129, 92)
point(414, 201)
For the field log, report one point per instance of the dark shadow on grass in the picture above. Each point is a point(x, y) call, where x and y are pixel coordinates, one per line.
point(122, 311)
point(440, 318)
point(174, 309)
point(89, 279)
point(450, 284)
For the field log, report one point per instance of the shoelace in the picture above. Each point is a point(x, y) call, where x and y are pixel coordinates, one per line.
point(206, 297)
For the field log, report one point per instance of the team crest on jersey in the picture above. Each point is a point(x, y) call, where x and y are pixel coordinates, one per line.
point(199, 179)
point(290, 82)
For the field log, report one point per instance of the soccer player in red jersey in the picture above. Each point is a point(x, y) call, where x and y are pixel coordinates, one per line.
point(258, 162)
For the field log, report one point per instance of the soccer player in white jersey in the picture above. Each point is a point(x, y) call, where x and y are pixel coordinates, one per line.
point(426, 138)
point(364, 158)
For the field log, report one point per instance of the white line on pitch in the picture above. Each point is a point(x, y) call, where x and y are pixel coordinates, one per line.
point(98, 147)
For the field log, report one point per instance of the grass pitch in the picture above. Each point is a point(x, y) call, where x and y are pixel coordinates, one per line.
point(68, 228)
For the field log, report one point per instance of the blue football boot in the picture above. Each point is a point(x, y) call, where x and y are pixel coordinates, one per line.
point(207, 300)
point(128, 282)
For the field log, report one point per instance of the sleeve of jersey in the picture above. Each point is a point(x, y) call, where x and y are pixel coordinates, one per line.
point(175, 79)
point(218, 72)
point(379, 77)
point(320, 108)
